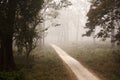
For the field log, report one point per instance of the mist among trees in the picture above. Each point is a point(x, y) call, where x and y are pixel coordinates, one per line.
point(26, 26)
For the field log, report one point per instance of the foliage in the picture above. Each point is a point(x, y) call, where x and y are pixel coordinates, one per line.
point(28, 16)
point(106, 15)
point(18, 22)
point(31, 14)
point(51, 8)
point(27, 19)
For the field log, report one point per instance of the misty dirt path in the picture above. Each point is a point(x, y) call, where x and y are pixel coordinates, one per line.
point(77, 68)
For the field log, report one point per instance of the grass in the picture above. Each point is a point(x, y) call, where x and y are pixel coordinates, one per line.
point(101, 59)
point(42, 65)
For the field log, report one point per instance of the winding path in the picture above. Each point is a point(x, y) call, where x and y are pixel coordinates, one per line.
point(78, 69)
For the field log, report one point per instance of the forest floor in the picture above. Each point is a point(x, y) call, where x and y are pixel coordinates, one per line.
point(78, 69)
point(45, 64)
point(100, 59)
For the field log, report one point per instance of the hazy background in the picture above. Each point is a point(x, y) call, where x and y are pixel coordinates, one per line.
point(72, 20)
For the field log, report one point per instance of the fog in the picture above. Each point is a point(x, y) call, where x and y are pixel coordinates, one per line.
point(72, 22)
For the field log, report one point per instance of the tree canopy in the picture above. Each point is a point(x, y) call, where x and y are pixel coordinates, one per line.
point(104, 14)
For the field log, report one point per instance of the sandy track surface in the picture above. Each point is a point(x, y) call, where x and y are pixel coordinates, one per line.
point(77, 68)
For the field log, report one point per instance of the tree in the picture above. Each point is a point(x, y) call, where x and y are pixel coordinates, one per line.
point(106, 15)
point(18, 21)
point(12, 13)
point(7, 12)
point(28, 18)
point(27, 35)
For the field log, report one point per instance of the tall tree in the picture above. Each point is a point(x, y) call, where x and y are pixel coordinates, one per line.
point(28, 17)
point(18, 21)
point(12, 13)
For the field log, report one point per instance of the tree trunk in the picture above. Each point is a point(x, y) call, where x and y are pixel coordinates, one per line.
point(77, 34)
point(6, 56)
point(113, 38)
point(113, 34)
point(28, 54)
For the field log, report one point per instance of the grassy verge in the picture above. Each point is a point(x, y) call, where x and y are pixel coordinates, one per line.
point(101, 59)
point(41, 65)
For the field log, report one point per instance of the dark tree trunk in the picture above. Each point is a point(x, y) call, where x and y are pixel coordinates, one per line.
point(6, 55)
